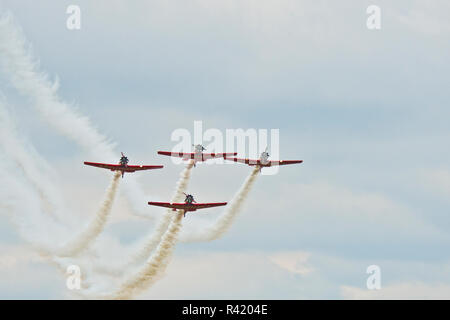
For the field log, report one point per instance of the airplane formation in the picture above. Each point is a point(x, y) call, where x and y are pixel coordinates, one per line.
point(189, 204)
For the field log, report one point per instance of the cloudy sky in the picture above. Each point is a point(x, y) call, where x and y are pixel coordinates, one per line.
point(367, 111)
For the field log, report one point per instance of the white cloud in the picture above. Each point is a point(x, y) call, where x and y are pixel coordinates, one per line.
point(293, 261)
point(438, 181)
point(14, 255)
point(225, 275)
point(338, 213)
point(429, 18)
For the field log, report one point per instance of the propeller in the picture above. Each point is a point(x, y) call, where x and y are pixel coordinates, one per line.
point(199, 145)
point(190, 195)
point(123, 158)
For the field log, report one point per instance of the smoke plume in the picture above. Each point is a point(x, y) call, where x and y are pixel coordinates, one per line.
point(154, 238)
point(96, 226)
point(153, 267)
point(17, 61)
point(224, 222)
point(33, 167)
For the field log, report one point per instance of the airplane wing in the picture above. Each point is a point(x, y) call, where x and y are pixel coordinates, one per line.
point(284, 162)
point(208, 205)
point(184, 155)
point(139, 168)
point(253, 162)
point(185, 206)
point(218, 155)
point(120, 167)
point(198, 157)
point(250, 162)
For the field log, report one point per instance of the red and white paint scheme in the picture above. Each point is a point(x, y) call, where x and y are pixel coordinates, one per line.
point(123, 166)
point(263, 161)
point(189, 204)
point(198, 155)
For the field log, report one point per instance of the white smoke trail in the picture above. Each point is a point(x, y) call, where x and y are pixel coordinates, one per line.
point(17, 61)
point(25, 193)
point(154, 238)
point(26, 77)
point(224, 222)
point(24, 207)
point(96, 226)
point(32, 165)
point(158, 261)
point(29, 192)
point(156, 264)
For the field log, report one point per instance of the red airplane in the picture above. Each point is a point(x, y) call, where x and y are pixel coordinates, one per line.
point(197, 155)
point(123, 166)
point(264, 161)
point(189, 204)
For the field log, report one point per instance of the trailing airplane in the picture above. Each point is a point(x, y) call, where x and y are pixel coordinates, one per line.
point(189, 204)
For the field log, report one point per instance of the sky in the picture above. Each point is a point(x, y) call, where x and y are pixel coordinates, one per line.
point(367, 111)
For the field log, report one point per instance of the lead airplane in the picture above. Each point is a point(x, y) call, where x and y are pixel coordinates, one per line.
point(263, 161)
point(189, 204)
point(198, 155)
point(123, 166)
